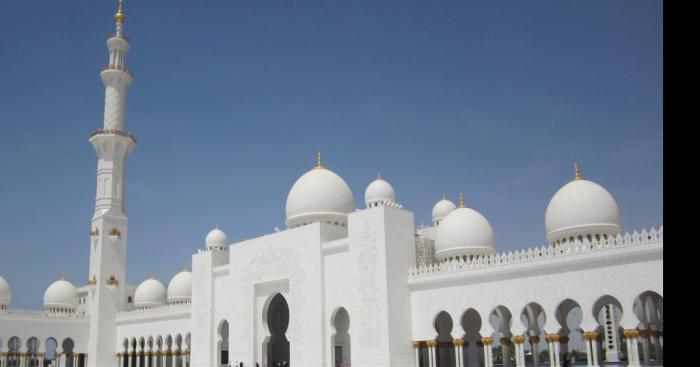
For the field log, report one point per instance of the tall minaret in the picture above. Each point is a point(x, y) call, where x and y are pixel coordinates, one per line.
point(107, 278)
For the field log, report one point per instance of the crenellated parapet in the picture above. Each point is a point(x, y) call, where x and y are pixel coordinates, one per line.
point(168, 309)
point(41, 315)
point(569, 249)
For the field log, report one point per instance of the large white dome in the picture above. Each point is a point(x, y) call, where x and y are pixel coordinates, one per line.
point(464, 232)
point(379, 192)
point(180, 287)
point(581, 208)
point(5, 293)
point(61, 294)
point(150, 293)
point(441, 209)
point(319, 195)
point(216, 239)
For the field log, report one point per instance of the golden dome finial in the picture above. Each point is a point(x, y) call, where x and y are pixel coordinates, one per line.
point(461, 200)
point(151, 276)
point(577, 172)
point(379, 175)
point(319, 162)
point(62, 277)
point(187, 267)
point(444, 196)
point(119, 17)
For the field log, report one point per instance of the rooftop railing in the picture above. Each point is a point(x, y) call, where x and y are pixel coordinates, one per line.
point(577, 247)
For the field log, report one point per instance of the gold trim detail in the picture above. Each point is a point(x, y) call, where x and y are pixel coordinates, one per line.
point(416, 344)
point(458, 342)
point(319, 161)
point(534, 339)
point(519, 339)
point(119, 17)
point(552, 338)
point(631, 333)
point(577, 172)
point(115, 232)
point(505, 341)
point(487, 340)
point(590, 335)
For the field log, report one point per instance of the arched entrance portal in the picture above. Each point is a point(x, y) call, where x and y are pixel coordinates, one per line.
point(277, 320)
point(341, 339)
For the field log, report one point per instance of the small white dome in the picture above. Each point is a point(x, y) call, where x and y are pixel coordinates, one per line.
point(319, 195)
point(180, 287)
point(581, 208)
point(379, 192)
point(441, 209)
point(150, 293)
point(5, 293)
point(216, 239)
point(61, 294)
point(464, 232)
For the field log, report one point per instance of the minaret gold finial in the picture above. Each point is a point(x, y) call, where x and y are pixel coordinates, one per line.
point(62, 277)
point(319, 162)
point(119, 17)
point(577, 172)
point(187, 267)
point(461, 200)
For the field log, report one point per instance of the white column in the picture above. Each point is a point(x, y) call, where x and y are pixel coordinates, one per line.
point(138, 357)
point(458, 343)
point(656, 337)
point(488, 357)
point(416, 349)
point(590, 339)
point(164, 360)
point(519, 351)
point(553, 345)
point(431, 353)
point(631, 336)
point(505, 351)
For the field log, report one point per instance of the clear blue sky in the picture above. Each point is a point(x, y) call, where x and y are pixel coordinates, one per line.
point(231, 100)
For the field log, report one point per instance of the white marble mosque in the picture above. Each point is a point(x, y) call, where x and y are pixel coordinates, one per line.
point(346, 286)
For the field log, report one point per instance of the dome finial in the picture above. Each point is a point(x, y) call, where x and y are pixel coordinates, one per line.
point(151, 276)
point(461, 200)
point(119, 17)
point(577, 172)
point(319, 162)
point(62, 277)
point(187, 267)
point(444, 196)
point(379, 175)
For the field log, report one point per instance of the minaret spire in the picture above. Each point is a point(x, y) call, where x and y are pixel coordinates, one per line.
point(577, 172)
point(319, 161)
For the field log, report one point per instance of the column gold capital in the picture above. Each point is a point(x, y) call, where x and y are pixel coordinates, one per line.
point(631, 333)
point(590, 335)
point(458, 342)
point(416, 344)
point(519, 339)
point(505, 341)
point(487, 340)
point(552, 338)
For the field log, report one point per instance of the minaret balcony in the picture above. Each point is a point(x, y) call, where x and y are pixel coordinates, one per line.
point(115, 35)
point(117, 68)
point(114, 132)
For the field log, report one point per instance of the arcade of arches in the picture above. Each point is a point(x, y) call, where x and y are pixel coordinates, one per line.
point(637, 345)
